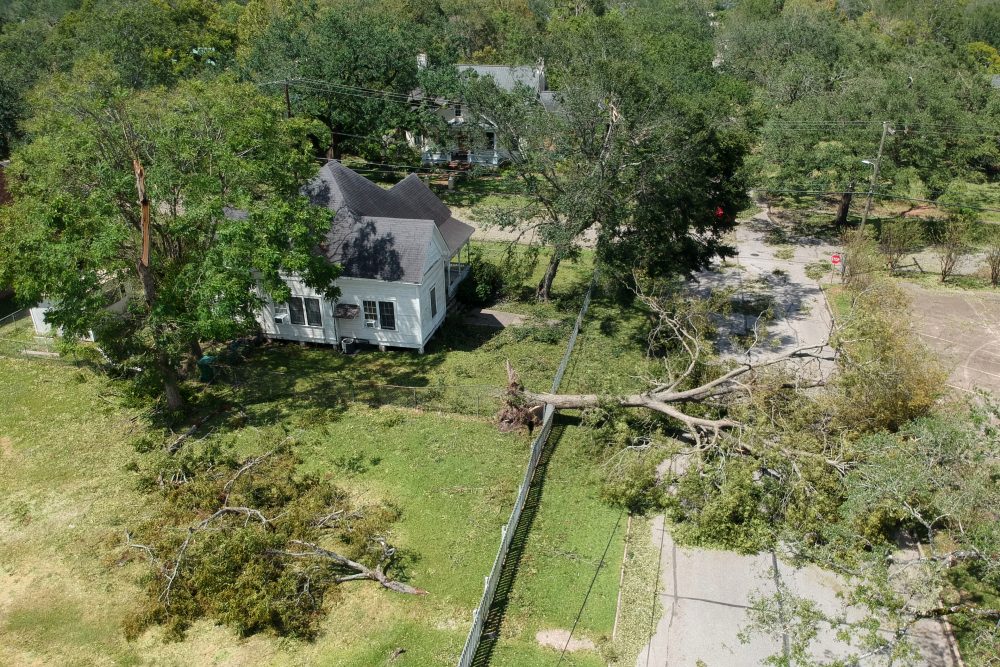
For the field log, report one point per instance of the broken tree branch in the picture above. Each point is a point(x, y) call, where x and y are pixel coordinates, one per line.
point(360, 571)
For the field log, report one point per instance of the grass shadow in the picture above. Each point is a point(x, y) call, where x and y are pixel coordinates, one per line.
point(508, 575)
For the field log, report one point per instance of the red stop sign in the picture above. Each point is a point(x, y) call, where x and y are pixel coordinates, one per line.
point(835, 259)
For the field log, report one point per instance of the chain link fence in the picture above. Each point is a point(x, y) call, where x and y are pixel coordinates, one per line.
point(18, 338)
point(472, 400)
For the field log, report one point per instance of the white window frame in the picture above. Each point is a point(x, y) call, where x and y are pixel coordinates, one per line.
point(305, 311)
point(395, 322)
point(371, 319)
point(281, 311)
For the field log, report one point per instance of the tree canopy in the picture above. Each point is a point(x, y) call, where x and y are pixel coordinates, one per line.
point(826, 77)
point(222, 175)
point(642, 151)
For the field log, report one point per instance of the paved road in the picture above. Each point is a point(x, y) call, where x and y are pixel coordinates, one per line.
point(705, 593)
point(800, 314)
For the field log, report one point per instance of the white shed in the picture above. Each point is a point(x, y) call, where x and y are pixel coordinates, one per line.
point(401, 250)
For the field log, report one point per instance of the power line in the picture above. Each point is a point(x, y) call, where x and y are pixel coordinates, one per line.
point(597, 571)
point(881, 195)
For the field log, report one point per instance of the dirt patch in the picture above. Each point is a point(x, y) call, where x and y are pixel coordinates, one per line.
point(495, 319)
point(6, 447)
point(963, 328)
point(557, 639)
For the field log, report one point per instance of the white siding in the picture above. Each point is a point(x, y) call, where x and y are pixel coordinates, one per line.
point(300, 332)
point(405, 298)
point(414, 323)
point(434, 278)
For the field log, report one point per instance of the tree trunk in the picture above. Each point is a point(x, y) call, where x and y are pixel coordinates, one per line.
point(171, 388)
point(545, 286)
point(845, 206)
point(196, 350)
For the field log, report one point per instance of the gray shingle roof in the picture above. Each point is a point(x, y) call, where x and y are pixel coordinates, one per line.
point(455, 233)
point(507, 77)
point(413, 195)
point(392, 249)
point(382, 234)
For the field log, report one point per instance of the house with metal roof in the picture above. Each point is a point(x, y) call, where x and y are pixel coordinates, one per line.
point(458, 148)
point(401, 250)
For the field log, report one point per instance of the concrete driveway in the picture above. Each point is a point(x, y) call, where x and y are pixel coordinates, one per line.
point(705, 596)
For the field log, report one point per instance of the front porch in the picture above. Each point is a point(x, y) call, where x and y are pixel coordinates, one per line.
point(458, 270)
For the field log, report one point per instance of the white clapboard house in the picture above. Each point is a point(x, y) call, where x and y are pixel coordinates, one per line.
point(402, 255)
point(459, 146)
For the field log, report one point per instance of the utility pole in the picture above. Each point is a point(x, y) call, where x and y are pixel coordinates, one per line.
point(140, 185)
point(871, 186)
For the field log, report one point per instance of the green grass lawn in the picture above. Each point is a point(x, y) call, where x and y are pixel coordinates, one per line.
point(574, 528)
point(569, 536)
point(959, 282)
point(66, 500)
point(66, 497)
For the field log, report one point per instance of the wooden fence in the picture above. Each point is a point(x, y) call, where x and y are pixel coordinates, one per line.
point(508, 530)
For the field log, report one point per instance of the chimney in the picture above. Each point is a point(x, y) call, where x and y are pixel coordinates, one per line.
point(540, 75)
point(421, 61)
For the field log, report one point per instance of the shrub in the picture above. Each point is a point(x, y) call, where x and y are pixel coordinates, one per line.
point(951, 241)
point(887, 376)
point(897, 239)
point(484, 282)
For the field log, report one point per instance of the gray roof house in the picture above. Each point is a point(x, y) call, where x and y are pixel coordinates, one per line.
point(455, 114)
point(401, 252)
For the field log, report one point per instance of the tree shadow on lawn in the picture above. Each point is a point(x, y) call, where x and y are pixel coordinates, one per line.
point(508, 574)
point(284, 380)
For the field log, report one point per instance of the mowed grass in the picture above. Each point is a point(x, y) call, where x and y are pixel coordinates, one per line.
point(571, 565)
point(562, 580)
point(66, 500)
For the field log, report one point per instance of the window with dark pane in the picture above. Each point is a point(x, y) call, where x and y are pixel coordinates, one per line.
point(314, 316)
point(296, 311)
point(387, 315)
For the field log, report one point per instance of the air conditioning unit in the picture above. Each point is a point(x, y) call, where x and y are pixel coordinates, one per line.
point(279, 319)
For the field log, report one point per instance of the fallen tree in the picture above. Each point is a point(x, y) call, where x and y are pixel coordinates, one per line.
point(676, 387)
point(255, 544)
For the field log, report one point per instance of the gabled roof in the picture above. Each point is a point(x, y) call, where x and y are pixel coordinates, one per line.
point(413, 195)
point(391, 249)
point(507, 77)
point(382, 234)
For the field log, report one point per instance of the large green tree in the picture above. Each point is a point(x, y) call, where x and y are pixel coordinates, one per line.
point(642, 152)
point(75, 229)
point(827, 76)
point(352, 66)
